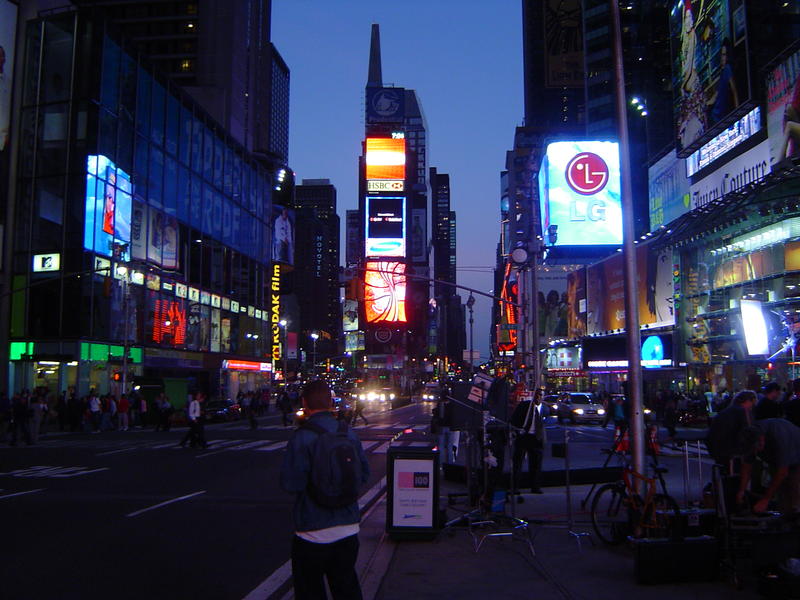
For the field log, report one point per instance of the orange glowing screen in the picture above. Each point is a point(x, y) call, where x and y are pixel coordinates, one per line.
point(385, 292)
point(386, 158)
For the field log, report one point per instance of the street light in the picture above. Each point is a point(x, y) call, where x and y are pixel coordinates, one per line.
point(315, 337)
point(470, 304)
point(283, 323)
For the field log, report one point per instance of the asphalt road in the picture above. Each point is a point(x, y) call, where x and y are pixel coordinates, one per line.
point(131, 515)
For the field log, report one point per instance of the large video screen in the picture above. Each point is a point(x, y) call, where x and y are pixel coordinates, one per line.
point(580, 194)
point(783, 109)
point(108, 207)
point(386, 158)
point(709, 64)
point(385, 292)
point(386, 226)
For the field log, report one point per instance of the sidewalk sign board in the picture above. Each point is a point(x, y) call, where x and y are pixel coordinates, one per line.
point(412, 510)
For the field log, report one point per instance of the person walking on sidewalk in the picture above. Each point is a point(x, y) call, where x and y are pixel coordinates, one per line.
point(20, 418)
point(95, 411)
point(285, 404)
point(324, 467)
point(530, 441)
point(122, 410)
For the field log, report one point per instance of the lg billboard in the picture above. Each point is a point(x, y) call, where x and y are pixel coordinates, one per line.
point(580, 194)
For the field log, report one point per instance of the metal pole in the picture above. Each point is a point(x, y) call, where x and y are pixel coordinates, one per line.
point(470, 304)
point(629, 252)
point(534, 306)
point(126, 300)
point(285, 353)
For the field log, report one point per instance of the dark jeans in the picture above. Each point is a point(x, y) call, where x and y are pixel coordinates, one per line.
point(312, 563)
point(497, 444)
point(528, 444)
point(196, 435)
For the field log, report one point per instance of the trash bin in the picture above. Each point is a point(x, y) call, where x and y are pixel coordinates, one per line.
point(412, 507)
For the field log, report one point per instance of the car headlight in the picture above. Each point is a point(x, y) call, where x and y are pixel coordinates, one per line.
point(555, 406)
point(578, 411)
point(647, 411)
point(601, 411)
point(372, 396)
point(383, 396)
point(362, 397)
point(299, 413)
point(391, 396)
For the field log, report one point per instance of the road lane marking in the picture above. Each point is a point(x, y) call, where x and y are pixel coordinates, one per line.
point(250, 445)
point(367, 446)
point(2, 496)
point(116, 451)
point(419, 444)
point(165, 503)
point(282, 574)
point(275, 446)
point(41, 471)
point(382, 448)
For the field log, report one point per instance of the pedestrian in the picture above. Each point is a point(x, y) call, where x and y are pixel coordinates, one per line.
point(123, 408)
point(195, 436)
point(61, 411)
point(20, 411)
point(95, 411)
point(358, 411)
point(769, 402)
point(725, 428)
point(5, 416)
point(791, 408)
point(253, 411)
point(776, 442)
point(671, 415)
point(285, 405)
point(166, 413)
point(530, 440)
point(105, 415)
point(326, 517)
point(143, 413)
point(38, 413)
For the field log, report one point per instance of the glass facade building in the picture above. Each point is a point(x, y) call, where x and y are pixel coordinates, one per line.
point(160, 222)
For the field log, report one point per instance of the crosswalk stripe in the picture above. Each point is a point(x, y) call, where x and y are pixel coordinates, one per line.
point(367, 445)
point(382, 448)
point(419, 444)
point(250, 445)
point(276, 446)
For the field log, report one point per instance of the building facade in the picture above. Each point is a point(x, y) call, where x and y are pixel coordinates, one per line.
point(135, 205)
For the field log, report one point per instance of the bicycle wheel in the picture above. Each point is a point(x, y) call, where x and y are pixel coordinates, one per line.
point(610, 513)
point(661, 518)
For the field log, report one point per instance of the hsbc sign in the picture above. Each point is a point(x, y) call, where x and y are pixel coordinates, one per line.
point(385, 185)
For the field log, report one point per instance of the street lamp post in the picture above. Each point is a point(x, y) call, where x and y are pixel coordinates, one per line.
point(470, 305)
point(284, 350)
point(314, 337)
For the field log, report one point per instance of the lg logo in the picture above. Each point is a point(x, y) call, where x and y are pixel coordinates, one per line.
point(587, 173)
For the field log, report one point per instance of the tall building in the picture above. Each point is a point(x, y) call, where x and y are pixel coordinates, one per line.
point(316, 273)
point(138, 206)
point(552, 53)
point(220, 52)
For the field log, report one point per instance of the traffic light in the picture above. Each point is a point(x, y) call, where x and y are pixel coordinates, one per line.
point(117, 376)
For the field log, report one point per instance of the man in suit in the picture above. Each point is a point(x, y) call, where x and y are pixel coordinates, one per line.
point(530, 441)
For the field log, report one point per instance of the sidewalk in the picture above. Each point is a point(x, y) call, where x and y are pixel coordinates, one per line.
point(449, 567)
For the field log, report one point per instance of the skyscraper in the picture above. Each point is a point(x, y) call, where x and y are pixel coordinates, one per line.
point(316, 275)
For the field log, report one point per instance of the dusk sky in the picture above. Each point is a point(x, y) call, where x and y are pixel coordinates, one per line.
point(463, 58)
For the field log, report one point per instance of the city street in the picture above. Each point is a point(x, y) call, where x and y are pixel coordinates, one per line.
point(141, 517)
point(132, 515)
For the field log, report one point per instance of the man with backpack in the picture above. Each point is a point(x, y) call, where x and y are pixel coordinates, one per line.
point(324, 467)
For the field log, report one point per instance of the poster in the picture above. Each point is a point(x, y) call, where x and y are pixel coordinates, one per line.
point(668, 190)
point(225, 334)
point(563, 34)
point(107, 224)
point(215, 330)
point(552, 302)
point(283, 220)
point(576, 304)
point(412, 493)
point(709, 65)
point(783, 109)
point(350, 315)
point(8, 30)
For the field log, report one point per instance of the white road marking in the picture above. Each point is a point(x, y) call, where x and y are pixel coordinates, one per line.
point(172, 444)
point(21, 493)
point(367, 446)
point(42, 471)
point(281, 575)
point(165, 503)
point(250, 445)
point(382, 448)
point(275, 446)
point(419, 444)
point(116, 451)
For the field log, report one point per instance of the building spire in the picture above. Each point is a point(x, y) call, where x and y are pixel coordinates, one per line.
point(375, 76)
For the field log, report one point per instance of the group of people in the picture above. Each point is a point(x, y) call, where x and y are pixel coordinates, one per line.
point(756, 430)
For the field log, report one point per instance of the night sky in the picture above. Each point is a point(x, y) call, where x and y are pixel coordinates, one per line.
point(463, 58)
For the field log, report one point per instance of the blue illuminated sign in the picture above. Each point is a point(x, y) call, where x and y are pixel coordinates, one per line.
point(653, 353)
point(108, 207)
point(580, 194)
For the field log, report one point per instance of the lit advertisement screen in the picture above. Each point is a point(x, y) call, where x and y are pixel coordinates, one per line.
point(386, 226)
point(580, 194)
point(755, 327)
point(386, 158)
point(709, 65)
point(385, 292)
point(783, 109)
point(169, 322)
point(108, 206)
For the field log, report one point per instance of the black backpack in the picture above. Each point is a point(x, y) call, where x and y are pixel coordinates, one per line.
point(335, 467)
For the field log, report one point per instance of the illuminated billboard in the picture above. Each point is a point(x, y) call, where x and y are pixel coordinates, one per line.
point(783, 109)
point(108, 207)
point(709, 65)
point(282, 235)
point(386, 158)
point(169, 322)
point(385, 292)
point(350, 315)
point(580, 194)
point(386, 226)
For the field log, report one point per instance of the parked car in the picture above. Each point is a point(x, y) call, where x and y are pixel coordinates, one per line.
point(222, 410)
point(579, 407)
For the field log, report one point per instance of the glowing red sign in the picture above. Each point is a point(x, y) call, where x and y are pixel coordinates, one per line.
point(169, 322)
point(587, 173)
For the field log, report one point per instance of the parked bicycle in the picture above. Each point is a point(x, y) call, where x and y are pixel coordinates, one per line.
point(619, 511)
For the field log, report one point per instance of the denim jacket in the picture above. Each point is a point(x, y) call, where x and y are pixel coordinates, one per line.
point(308, 515)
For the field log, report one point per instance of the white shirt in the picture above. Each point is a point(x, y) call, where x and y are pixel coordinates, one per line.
point(194, 410)
point(94, 404)
point(329, 535)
